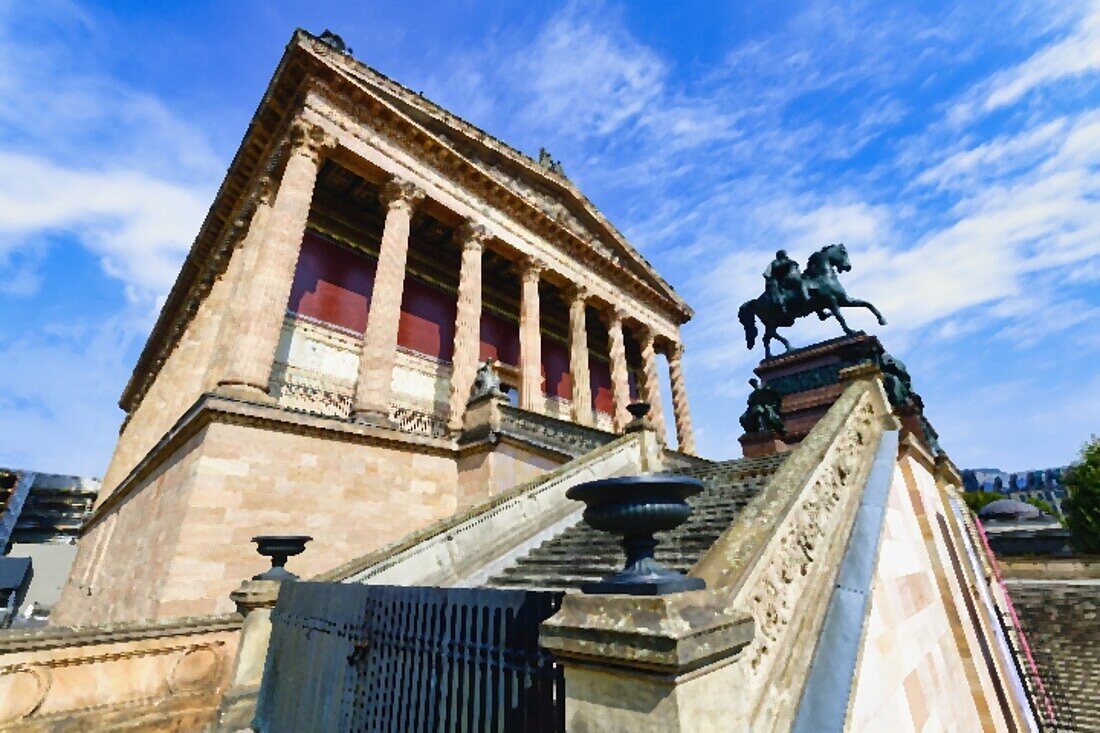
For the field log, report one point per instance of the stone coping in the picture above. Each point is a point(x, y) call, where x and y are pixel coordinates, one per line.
point(358, 565)
point(671, 635)
point(72, 636)
point(212, 408)
point(731, 558)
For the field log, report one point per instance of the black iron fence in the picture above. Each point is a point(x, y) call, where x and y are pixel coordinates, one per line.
point(350, 657)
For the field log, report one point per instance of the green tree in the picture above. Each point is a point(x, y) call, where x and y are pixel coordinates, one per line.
point(977, 499)
point(1082, 506)
point(1042, 506)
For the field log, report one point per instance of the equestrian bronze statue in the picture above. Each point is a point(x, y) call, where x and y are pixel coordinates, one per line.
point(790, 294)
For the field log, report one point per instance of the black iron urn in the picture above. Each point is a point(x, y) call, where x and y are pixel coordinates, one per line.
point(279, 548)
point(635, 507)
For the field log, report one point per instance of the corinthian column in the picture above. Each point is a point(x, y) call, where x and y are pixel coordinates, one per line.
point(271, 250)
point(620, 384)
point(530, 339)
point(578, 357)
point(680, 411)
point(467, 321)
point(373, 390)
point(651, 386)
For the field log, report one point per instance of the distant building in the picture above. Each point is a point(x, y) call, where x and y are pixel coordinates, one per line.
point(1045, 484)
point(41, 515)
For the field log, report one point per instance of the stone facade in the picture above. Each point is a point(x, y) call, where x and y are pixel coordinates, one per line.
point(258, 406)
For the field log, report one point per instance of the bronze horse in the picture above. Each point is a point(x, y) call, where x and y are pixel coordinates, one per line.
point(826, 298)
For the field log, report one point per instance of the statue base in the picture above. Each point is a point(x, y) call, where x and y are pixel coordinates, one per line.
point(761, 444)
point(809, 379)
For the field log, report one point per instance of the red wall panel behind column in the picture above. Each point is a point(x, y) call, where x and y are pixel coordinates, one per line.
point(427, 320)
point(499, 339)
point(332, 284)
point(555, 369)
point(602, 399)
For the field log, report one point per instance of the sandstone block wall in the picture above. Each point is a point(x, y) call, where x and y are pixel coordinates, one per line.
point(182, 539)
point(179, 383)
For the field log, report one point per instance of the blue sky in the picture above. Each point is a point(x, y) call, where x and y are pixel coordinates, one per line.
point(954, 147)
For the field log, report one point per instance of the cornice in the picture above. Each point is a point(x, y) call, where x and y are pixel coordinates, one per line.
point(211, 408)
point(362, 109)
point(418, 104)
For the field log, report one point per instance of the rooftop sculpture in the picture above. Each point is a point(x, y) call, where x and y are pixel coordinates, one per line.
point(790, 294)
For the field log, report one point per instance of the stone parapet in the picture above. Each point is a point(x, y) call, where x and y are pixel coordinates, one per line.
point(162, 675)
point(472, 543)
point(781, 555)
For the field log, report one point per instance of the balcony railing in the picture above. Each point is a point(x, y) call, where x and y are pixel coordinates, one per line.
point(301, 391)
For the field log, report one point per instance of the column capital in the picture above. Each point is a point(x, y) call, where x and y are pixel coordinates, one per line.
point(472, 236)
point(576, 292)
point(309, 139)
point(397, 192)
point(613, 314)
point(530, 268)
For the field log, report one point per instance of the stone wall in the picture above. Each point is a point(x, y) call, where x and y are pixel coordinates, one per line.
point(184, 376)
point(141, 677)
point(179, 541)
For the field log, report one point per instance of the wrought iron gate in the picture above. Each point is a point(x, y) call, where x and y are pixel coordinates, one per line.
point(351, 657)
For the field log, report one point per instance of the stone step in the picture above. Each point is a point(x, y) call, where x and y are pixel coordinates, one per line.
point(581, 554)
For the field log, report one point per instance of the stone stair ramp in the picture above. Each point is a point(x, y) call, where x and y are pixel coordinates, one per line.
point(581, 554)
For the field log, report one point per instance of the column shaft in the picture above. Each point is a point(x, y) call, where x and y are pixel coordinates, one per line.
point(242, 263)
point(467, 323)
point(374, 387)
point(680, 411)
point(578, 358)
point(530, 340)
point(620, 379)
point(651, 386)
point(266, 288)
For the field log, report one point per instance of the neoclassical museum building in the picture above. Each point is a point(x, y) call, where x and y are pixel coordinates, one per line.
point(311, 368)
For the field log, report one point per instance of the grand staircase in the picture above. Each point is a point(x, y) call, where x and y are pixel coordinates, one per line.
point(581, 554)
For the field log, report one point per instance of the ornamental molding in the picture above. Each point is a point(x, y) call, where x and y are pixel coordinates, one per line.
point(781, 555)
point(353, 109)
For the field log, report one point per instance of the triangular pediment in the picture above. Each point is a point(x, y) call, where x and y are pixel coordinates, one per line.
point(550, 192)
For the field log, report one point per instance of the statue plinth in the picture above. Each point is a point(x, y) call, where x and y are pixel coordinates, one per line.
point(761, 444)
point(811, 379)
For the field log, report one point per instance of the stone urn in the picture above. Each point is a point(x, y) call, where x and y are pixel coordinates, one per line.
point(279, 548)
point(636, 507)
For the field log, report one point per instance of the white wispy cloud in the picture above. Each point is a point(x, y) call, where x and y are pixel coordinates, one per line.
point(82, 154)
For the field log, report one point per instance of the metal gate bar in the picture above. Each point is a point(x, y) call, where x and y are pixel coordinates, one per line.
point(351, 657)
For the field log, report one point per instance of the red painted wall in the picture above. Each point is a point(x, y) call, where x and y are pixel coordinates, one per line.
point(557, 380)
point(332, 284)
point(427, 322)
point(499, 339)
point(602, 398)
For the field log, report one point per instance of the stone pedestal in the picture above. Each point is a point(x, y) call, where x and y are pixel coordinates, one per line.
point(661, 663)
point(255, 599)
point(811, 379)
point(761, 444)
